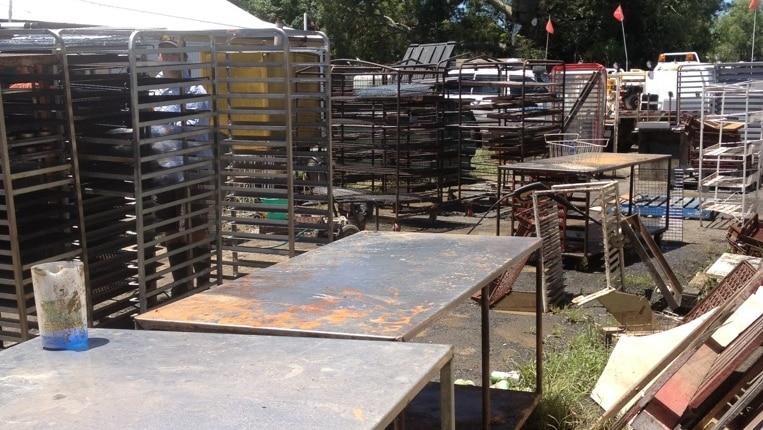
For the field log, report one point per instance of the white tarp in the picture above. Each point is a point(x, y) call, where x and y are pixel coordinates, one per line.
point(133, 14)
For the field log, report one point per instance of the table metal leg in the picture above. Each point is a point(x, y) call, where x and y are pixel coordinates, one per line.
point(485, 305)
point(539, 323)
point(376, 208)
point(447, 398)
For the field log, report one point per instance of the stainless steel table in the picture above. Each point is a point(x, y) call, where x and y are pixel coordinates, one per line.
point(587, 164)
point(152, 379)
point(581, 168)
point(576, 168)
point(370, 285)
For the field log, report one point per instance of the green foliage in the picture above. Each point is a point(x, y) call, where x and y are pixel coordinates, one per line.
point(381, 30)
point(525, 48)
point(733, 34)
point(589, 31)
point(569, 374)
point(707, 285)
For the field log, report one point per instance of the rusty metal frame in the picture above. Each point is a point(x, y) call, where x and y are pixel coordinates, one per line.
point(608, 196)
point(638, 233)
point(736, 279)
point(546, 212)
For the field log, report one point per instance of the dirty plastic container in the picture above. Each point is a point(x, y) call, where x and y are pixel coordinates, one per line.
point(60, 300)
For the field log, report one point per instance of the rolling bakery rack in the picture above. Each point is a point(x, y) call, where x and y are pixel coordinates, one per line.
point(93, 154)
point(40, 211)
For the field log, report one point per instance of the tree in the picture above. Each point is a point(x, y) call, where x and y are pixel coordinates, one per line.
point(381, 30)
point(372, 30)
point(733, 34)
point(589, 31)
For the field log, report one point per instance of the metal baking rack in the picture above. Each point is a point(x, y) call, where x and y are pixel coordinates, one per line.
point(273, 107)
point(390, 133)
point(126, 135)
point(40, 211)
point(87, 180)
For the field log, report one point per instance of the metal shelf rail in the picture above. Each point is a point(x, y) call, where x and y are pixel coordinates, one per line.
point(146, 159)
point(389, 133)
point(584, 88)
point(730, 172)
point(40, 209)
point(273, 113)
point(514, 103)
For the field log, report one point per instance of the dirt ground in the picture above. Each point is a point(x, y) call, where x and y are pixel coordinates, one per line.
point(513, 335)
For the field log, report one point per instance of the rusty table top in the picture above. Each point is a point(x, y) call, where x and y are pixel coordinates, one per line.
point(586, 163)
point(370, 285)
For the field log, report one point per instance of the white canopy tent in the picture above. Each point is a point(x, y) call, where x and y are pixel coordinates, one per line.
point(138, 14)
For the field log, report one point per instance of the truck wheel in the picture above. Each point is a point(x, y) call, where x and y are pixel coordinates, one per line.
point(346, 231)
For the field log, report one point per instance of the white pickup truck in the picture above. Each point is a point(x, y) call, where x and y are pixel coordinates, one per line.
point(663, 79)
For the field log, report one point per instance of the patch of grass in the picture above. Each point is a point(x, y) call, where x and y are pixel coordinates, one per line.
point(570, 372)
point(640, 282)
point(572, 314)
point(483, 165)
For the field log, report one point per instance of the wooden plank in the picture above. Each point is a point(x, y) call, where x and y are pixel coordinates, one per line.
point(632, 235)
point(633, 356)
point(517, 302)
point(721, 404)
point(633, 312)
point(749, 396)
point(730, 360)
point(672, 294)
point(672, 400)
point(651, 382)
point(674, 282)
point(727, 262)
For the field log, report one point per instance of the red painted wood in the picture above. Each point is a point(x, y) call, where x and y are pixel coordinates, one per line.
point(671, 401)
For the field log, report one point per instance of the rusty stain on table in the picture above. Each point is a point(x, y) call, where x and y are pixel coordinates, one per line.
point(371, 285)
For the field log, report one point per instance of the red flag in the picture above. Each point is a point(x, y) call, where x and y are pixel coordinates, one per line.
point(619, 13)
point(550, 27)
point(754, 4)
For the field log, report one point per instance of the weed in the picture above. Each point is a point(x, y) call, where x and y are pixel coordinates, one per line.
point(570, 373)
point(572, 314)
point(482, 165)
point(707, 285)
point(641, 281)
point(557, 331)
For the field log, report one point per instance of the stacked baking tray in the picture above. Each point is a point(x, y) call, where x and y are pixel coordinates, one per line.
point(140, 154)
point(273, 106)
point(390, 132)
point(40, 215)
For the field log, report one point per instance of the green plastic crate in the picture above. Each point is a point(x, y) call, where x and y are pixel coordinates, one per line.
point(277, 202)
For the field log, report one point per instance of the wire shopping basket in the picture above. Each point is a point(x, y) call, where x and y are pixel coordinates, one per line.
point(561, 138)
point(596, 145)
point(575, 148)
